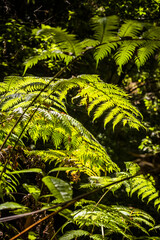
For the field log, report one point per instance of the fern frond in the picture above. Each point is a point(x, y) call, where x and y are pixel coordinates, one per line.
point(9, 182)
point(111, 115)
point(101, 98)
point(104, 50)
point(126, 52)
point(101, 109)
point(54, 54)
point(118, 219)
point(130, 28)
point(74, 234)
point(146, 51)
point(152, 33)
point(105, 28)
point(144, 187)
point(64, 40)
point(89, 156)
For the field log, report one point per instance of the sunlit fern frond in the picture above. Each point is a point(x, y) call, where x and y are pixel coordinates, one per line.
point(65, 41)
point(54, 125)
point(27, 88)
point(8, 183)
point(104, 50)
point(147, 50)
point(74, 234)
point(108, 36)
point(118, 219)
point(152, 33)
point(104, 28)
point(87, 156)
point(126, 51)
point(93, 159)
point(130, 28)
point(48, 54)
point(80, 147)
point(101, 99)
point(110, 101)
point(143, 186)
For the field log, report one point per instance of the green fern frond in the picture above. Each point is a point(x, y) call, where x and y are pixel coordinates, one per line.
point(126, 52)
point(54, 54)
point(117, 119)
point(104, 50)
point(101, 98)
point(130, 28)
point(89, 43)
point(105, 28)
point(64, 40)
point(146, 51)
point(9, 182)
point(74, 234)
point(111, 115)
point(101, 109)
point(11, 100)
point(87, 155)
point(152, 33)
point(143, 186)
point(118, 219)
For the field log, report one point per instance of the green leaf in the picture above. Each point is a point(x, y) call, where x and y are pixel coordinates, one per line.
point(10, 205)
point(32, 235)
point(31, 170)
point(64, 169)
point(33, 190)
point(59, 188)
point(74, 234)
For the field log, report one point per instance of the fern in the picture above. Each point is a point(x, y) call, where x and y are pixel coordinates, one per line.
point(90, 158)
point(112, 218)
point(65, 41)
point(8, 182)
point(125, 52)
point(55, 54)
point(104, 50)
point(146, 51)
point(105, 28)
point(100, 98)
point(126, 41)
point(74, 234)
point(143, 186)
point(130, 28)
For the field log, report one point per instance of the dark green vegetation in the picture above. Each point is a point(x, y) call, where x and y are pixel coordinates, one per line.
point(79, 133)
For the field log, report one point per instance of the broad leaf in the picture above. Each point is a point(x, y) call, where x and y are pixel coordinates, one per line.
point(11, 205)
point(59, 188)
point(33, 190)
point(31, 170)
point(64, 169)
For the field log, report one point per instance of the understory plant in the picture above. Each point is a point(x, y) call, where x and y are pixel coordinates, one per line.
point(48, 155)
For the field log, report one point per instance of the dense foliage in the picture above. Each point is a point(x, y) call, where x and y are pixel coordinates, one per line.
point(79, 113)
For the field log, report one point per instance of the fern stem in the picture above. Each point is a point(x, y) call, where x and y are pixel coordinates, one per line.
point(102, 230)
point(101, 198)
